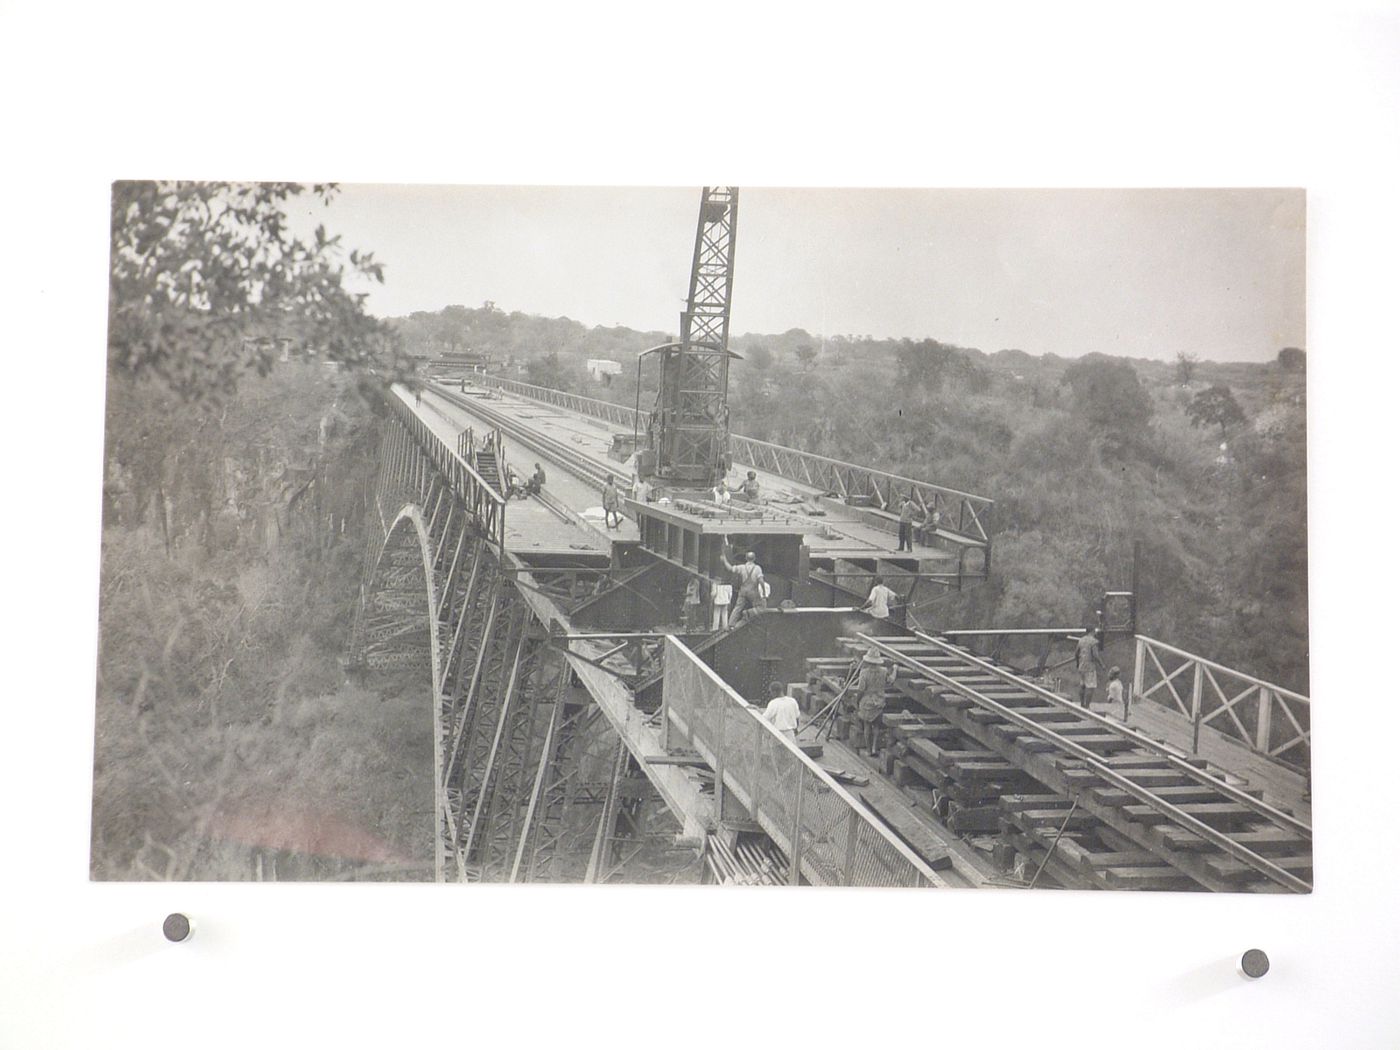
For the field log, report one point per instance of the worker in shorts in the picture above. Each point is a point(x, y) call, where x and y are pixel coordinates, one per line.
point(872, 678)
point(1116, 695)
point(1088, 661)
point(782, 711)
point(612, 504)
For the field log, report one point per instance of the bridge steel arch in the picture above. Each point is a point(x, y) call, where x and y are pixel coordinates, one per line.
point(511, 731)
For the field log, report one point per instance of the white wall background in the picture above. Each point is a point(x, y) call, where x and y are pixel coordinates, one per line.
point(607, 93)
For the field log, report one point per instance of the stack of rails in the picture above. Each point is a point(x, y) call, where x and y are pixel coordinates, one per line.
point(746, 863)
point(985, 750)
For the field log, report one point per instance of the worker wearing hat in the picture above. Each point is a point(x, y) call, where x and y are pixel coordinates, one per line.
point(873, 676)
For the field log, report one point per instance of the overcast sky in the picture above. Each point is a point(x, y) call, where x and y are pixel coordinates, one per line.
point(1144, 273)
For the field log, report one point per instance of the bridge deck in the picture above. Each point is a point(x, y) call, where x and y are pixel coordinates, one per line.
point(831, 531)
point(568, 522)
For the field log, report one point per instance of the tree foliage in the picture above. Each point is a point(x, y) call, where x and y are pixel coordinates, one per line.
point(1186, 367)
point(199, 267)
point(1108, 394)
point(1215, 406)
point(1292, 359)
point(760, 357)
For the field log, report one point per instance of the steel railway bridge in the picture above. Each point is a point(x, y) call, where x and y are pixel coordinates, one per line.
point(580, 724)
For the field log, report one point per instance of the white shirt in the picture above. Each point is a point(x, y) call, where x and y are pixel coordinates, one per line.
point(784, 713)
point(1115, 691)
point(880, 598)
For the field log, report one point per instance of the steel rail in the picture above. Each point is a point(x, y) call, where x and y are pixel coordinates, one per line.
point(1159, 805)
point(1201, 776)
point(772, 459)
point(574, 462)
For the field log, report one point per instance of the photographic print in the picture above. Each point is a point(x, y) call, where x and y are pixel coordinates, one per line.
point(849, 537)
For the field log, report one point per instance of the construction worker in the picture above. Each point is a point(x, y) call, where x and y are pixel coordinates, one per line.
point(1088, 660)
point(908, 513)
point(880, 600)
point(1115, 691)
point(691, 605)
point(612, 503)
point(720, 596)
point(750, 578)
point(782, 711)
point(535, 485)
point(750, 487)
point(872, 678)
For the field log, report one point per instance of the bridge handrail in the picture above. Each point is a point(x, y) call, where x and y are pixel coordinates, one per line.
point(962, 513)
point(1267, 718)
point(826, 833)
point(852, 479)
point(486, 505)
point(587, 406)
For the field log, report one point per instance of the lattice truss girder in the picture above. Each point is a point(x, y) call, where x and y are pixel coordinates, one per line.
point(532, 783)
point(689, 428)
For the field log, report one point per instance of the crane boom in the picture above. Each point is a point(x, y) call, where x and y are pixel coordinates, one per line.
point(688, 437)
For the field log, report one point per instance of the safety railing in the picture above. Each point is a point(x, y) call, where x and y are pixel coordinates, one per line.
point(829, 837)
point(1264, 717)
point(621, 415)
point(486, 505)
point(962, 514)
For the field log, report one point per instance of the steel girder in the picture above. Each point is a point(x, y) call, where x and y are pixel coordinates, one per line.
point(526, 771)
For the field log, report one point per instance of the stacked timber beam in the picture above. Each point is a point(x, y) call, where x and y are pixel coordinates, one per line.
point(1074, 799)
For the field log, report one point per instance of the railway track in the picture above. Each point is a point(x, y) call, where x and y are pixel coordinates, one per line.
point(1154, 815)
point(1165, 817)
point(570, 459)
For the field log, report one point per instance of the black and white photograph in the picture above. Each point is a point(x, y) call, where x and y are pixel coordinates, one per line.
point(757, 537)
point(472, 577)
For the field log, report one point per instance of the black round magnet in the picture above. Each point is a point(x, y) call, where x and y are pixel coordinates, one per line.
point(177, 927)
point(1254, 963)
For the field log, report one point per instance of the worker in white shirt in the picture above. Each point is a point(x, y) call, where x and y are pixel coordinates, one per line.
point(782, 711)
point(1115, 690)
point(880, 600)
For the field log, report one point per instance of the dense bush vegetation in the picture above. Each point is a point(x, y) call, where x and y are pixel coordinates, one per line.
point(230, 572)
point(234, 500)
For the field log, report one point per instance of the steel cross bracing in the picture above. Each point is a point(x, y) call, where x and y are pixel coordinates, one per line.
point(553, 833)
point(1024, 724)
point(513, 772)
point(691, 427)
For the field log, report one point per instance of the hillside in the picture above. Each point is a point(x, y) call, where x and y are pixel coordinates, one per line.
point(1083, 457)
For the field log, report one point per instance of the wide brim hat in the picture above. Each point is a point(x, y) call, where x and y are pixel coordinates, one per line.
point(872, 656)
